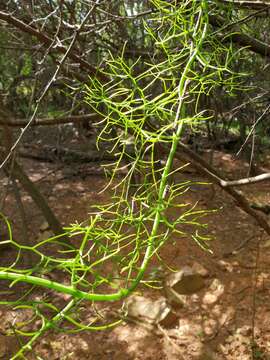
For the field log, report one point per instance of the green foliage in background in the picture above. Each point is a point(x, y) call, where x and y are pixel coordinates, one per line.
point(144, 109)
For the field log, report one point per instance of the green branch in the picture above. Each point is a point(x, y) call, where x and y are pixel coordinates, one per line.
point(78, 294)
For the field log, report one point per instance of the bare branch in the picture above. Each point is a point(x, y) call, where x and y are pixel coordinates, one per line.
point(253, 128)
point(251, 4)
point(46, 40)
point(246, 181)
point(50, 121)
point(213, 175)
point(46, 89)
point(242, 39)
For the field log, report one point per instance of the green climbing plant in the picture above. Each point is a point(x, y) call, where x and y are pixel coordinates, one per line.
point(144, 106)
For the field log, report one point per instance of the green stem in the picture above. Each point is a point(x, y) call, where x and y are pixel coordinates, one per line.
point(53, 285)
point(46, 326)
point(75, 293)
point(168, 166)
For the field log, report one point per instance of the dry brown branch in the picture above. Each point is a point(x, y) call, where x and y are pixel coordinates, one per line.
point(242, 39)
point(213, 175)
point(246, 181)
point(50, 121)
point(251, 4)
point(46, 40)
point(40, 201)
point(67, 53)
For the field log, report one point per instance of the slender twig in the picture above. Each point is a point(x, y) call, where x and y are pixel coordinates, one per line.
point(253, 128)
point(246, 181)
point(44, 39)
point(239, 247)
point(251, 154)
point(212, 174)
point(47, 87)
point(253, 4)
point(51, 120)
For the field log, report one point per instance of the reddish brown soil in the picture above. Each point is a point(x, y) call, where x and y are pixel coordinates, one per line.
point(228, 319)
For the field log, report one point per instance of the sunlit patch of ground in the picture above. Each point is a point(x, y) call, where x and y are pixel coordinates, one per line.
point(228, 319)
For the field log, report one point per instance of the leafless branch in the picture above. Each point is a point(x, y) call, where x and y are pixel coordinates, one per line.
point(46, 40)
point(50, 121)
point(246, 181)
point(251, 4)
point(213, 175)
point(253, 128)
point(242, 39)
point(46, 89)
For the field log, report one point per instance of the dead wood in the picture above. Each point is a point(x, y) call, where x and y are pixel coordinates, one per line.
point(216, 177)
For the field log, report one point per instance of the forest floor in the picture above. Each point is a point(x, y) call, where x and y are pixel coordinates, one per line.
point(229, 318)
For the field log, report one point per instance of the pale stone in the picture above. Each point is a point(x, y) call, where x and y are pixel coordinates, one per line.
point(200, 269)
point(185, 282)
point(216, 289)
point(146, 309)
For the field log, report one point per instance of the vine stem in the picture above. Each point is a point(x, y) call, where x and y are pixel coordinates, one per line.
point(179, 123)
point(53, 285)
point(182, 88)
point(46, 326)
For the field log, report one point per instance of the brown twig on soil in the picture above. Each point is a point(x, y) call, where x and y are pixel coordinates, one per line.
point(168, 338)
point(239, 247)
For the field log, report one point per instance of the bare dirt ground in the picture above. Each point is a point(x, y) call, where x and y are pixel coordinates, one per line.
point(229, 318)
